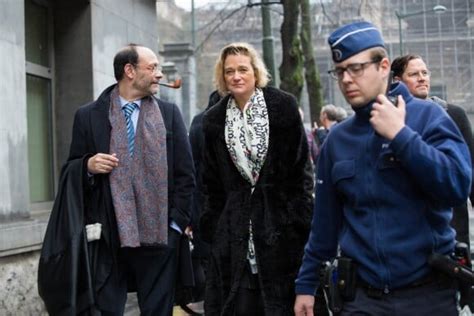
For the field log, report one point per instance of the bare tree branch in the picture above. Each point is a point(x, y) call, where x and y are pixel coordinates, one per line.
point(244, 16)
point(216, 18)
point(326, 14)
point(208, 36)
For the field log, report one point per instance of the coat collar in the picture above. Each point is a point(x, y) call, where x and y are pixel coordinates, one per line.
point(100, 121)
point(397, 88)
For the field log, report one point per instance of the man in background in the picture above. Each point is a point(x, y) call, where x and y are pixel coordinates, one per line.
point(201, 249)
point(413, 72)
point(312, 146)
point(329, 116)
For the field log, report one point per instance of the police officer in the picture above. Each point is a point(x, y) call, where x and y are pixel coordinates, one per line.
point(387, 179)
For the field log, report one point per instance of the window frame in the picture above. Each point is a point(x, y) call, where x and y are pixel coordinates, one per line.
point(43, 72)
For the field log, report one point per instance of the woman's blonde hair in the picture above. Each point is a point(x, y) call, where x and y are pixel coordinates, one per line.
point(261, 73)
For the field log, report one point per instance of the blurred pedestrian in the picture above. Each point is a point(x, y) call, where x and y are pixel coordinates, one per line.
point(201, 250)
point(341, 114)
point(312, 146)
point(258, 190)
point(329, 116)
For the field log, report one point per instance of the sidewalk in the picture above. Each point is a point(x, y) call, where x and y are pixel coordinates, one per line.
point(131, 309)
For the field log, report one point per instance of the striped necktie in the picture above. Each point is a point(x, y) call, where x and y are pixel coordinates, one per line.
point(127, 111)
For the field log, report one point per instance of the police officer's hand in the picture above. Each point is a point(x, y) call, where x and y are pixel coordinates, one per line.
point(304, 305)
point(387, 119)
point(102, 163)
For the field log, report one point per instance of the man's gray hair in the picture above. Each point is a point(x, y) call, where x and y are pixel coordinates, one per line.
point(341, 114)
point(334, 113)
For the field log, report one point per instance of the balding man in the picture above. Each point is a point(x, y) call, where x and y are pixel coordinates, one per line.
point(140, 184)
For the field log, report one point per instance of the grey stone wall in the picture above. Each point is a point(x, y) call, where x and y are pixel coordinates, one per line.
point(115, 24)
point(19, 293)
point(86, 36)
point(14, 193)
point(73, 68)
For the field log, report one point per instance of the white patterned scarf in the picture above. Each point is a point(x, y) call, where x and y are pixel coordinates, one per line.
point(246, 134)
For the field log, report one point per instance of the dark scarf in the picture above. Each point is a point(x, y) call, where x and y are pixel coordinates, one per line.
point(139, 185)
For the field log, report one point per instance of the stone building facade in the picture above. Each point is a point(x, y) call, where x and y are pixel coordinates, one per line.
point(56, 56)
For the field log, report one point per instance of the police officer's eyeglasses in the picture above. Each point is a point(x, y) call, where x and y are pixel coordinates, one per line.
point(354, 70)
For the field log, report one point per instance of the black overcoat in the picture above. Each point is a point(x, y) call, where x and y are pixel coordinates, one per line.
point(64, 270)
point(280, 208)
point(460, 221)
point(91, 135)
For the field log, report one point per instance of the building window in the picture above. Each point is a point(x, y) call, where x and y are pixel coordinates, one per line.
point(38, 51)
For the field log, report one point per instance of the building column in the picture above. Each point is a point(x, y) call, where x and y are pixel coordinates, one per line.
point(182, 55)
point(170, 73)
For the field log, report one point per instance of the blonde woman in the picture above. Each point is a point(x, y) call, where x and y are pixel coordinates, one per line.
point(257, 186)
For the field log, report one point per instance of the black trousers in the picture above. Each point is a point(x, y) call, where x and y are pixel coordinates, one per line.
point(427, 300)
point(248, 299)
point(151, 271)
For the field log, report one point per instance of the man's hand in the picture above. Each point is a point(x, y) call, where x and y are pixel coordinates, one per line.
point(304, 305)
point(387, 119)
point(189, 232)
point(102, 163)
point(315, 127)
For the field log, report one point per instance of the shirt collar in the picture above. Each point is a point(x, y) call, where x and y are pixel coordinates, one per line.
point(124, 102)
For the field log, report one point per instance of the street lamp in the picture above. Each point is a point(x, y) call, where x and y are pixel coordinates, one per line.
point(438, 9)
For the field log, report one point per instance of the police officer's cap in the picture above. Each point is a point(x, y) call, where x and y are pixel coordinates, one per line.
point(352, 39)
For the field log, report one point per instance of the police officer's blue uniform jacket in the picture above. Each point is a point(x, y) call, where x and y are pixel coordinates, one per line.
point(387, 204)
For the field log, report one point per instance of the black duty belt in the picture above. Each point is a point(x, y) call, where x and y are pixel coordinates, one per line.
point(431, 278)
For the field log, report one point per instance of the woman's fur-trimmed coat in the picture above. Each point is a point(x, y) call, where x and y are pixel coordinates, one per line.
point(280, 208)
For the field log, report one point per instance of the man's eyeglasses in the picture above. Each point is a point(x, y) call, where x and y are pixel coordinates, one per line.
point(155, 68)
point(419, 74)
point(354, 70)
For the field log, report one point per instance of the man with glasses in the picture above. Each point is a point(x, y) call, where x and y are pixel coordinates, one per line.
point(413, 72)
point(139, 184)
point(386, 181)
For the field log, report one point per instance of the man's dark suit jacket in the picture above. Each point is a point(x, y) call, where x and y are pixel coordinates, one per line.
point(460, 221)
point(91, 135)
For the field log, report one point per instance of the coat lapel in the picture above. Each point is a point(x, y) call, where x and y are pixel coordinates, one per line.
point(100, 123)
